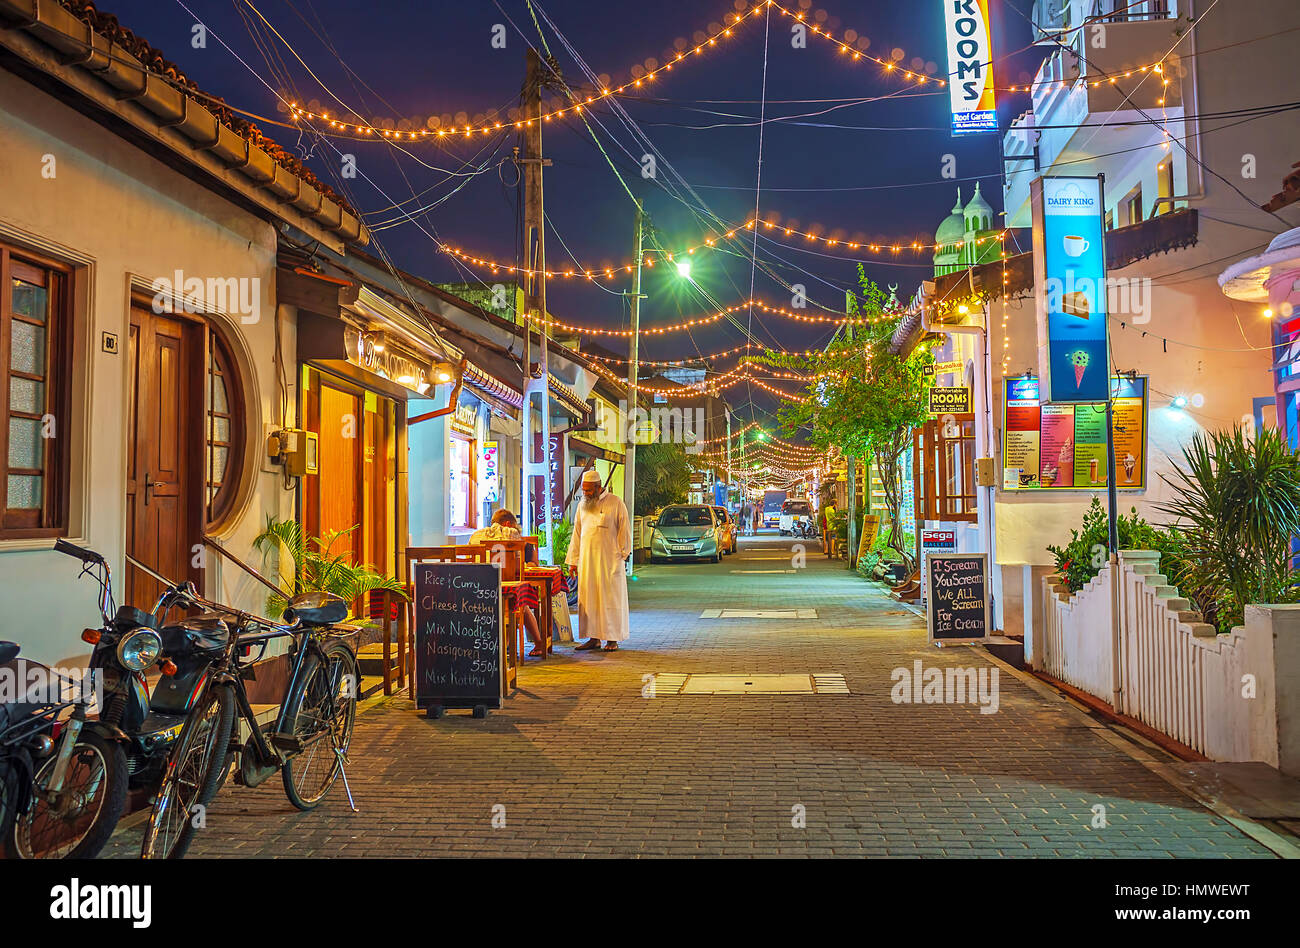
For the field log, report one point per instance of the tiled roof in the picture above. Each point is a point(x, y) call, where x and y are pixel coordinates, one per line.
point(107, 26)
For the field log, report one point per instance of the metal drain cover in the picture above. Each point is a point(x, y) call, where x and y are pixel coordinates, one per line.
point(759, 614)
point(668, 684)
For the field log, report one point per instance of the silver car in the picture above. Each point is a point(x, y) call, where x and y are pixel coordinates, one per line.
point(686, 532)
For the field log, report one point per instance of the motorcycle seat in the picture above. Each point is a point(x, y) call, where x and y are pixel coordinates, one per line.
point(8, 652)
point(202, 633)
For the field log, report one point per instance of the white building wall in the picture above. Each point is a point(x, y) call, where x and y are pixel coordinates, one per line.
point(123, 217)
point(1185, 335)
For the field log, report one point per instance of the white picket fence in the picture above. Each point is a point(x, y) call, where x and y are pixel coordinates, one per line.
point(1160, 664)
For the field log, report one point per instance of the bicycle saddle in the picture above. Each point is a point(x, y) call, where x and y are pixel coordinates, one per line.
point(8, 652)
point(317, 608)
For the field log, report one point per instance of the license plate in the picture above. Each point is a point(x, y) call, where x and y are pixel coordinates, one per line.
point(683, 549)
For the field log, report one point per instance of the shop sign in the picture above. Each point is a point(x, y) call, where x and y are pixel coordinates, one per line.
point(491, 474)
point(465, 418)
point(555, 460)
point(949, 400)
point(375, 353)
point(970, 70)
point(936, 541)
point(945, 368)
point(1057, 447)
point(1071, 219)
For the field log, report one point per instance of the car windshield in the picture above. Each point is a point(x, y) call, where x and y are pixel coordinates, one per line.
point(686, 517)
point(798, 508)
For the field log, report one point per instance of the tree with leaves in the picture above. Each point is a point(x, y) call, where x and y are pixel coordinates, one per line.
point(861, 398)
point(663, 476)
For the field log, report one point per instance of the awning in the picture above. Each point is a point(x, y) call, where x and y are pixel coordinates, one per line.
point(579, 446)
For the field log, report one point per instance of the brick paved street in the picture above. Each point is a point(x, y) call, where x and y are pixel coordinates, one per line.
point(586, 766)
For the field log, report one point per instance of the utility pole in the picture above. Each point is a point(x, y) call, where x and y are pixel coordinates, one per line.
point(536, 390)
point(633, 367)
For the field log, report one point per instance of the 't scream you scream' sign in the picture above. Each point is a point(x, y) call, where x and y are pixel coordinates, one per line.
point(957, 600)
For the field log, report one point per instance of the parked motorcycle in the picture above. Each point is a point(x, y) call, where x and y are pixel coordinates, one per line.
point(68, 777)
point(79, 794)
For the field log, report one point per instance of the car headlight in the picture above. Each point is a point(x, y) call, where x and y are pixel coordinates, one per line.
point(139, 649)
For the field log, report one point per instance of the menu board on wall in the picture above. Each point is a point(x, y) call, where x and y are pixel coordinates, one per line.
point(1053, 447)
point(458, 655)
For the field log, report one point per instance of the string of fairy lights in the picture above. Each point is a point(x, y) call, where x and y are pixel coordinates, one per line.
point(610, 272)
point(687, 324)
point(366, 130)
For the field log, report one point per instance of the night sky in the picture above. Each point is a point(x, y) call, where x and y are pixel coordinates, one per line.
point(868, 170)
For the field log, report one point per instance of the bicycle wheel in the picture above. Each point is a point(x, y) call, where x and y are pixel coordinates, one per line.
point(78, 824)
point(192, 776)
point(321, 713)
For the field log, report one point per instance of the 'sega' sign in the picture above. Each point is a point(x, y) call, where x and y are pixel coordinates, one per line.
point(970, 70)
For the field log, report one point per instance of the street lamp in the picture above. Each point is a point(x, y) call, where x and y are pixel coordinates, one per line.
point(684, 269)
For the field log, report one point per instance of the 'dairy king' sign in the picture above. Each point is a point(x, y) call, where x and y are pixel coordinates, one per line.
point(970, 73)
point(1074, 259)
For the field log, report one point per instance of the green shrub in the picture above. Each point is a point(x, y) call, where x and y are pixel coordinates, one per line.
point(1089, 547)
point(1238, 509)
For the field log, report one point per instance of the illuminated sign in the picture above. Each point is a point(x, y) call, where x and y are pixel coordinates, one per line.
point(1048, 446)
point(970, 70)
point(1070, 242)
point(378, 354)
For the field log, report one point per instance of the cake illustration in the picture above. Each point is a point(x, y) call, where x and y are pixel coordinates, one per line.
point(1079, 359)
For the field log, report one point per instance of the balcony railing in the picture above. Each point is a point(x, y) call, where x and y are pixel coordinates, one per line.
point(1149, 10)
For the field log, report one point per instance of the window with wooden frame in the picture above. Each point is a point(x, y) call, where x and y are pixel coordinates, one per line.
point(225, 431)
point(35, 342)
point(945, 449)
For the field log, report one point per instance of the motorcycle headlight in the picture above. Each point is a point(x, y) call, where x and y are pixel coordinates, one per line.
point(139, 649)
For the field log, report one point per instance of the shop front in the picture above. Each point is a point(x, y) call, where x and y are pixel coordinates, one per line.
point(355, 384)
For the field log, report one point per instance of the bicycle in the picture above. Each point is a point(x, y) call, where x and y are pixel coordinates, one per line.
point(308, 741)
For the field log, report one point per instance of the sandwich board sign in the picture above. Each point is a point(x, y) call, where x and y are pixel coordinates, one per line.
point(956, 600)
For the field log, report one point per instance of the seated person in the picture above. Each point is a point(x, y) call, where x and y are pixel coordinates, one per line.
point(505, 527)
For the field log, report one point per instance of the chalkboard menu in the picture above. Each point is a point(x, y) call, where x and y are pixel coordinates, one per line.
point(957, 604)
point(458, 659)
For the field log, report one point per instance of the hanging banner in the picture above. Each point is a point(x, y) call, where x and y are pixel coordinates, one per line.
point(970, 70)
point(1069, 232)
point(1064, 446)
point(489, 465)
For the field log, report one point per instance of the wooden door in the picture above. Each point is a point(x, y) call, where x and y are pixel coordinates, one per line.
point(164, 451)
point(340, 452)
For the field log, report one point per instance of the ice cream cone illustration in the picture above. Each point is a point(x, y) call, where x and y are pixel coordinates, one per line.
point(1079, 359)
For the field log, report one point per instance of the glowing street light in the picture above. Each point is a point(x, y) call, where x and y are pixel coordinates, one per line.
point(684, 269)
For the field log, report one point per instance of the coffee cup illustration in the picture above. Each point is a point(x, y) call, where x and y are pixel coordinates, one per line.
point(1075, 246)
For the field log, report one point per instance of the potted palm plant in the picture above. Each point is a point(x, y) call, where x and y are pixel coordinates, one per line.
point(316, 568)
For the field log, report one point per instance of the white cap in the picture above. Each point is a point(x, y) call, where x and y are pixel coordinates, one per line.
point(591, 477)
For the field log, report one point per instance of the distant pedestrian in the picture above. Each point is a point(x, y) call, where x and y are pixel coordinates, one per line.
point(602, 541)
point(758, 518)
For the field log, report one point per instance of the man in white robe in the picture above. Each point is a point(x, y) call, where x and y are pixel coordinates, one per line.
point(602, 541)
